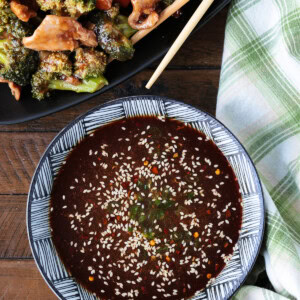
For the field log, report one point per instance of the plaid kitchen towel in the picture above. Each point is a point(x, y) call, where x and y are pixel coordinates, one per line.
point(259, 100)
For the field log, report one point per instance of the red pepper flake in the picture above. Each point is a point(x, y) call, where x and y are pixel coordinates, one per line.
point(84, 237)
point(208, 211)
point(125, 185)
point(178, 252)
point(99, 158)
point(166, 231)
point(208, 275)
point(154, 170)
point(118, 218)
point(104, 221)
point(226, 245)
point(216, 267)
point(228, 213)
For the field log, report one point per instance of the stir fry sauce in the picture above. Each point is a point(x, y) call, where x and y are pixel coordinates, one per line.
point(145, 208)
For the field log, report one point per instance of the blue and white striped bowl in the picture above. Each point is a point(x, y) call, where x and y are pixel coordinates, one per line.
point(38, 226)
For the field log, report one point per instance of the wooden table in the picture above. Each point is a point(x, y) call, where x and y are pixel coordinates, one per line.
point(192, 77)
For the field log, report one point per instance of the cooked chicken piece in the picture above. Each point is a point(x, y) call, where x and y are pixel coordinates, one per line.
point(143, 15)
point(23, 12)
point(15, 89)
point(58, 33)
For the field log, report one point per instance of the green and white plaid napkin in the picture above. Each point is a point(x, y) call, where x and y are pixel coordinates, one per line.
point(259, 100)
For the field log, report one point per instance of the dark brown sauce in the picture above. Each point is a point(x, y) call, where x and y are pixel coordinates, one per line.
point(145, 209)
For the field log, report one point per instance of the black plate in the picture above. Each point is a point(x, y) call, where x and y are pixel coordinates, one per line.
point(148, 50)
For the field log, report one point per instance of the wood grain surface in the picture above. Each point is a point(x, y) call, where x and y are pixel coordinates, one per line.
point(13, 235)
point(20, 279)
point(192, 76)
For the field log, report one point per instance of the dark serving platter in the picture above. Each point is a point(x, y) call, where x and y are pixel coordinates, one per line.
point(151, 48)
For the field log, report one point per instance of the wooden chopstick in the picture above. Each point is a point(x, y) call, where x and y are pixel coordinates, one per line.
point(165, 14)
point(191, 24)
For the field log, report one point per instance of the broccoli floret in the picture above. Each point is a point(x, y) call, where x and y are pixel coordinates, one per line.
point(57, 7)
point(11, 25)
point(113, 12)
point(122, 25)
point(17, 63)
point(72, 8)
point(53, 66)
point(77, 8)
point(110, 38)
point(54, 71)
point(3, 4)
point(89, 63)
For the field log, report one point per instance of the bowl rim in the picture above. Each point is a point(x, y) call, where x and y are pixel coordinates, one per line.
point(121, 100)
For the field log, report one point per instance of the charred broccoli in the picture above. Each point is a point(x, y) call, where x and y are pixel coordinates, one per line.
point(120, 21)
point(16, 62)
point(56, 73)
point(72, 8)
point(110, 38)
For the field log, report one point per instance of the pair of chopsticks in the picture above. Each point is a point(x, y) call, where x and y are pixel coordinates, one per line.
point(170, 10)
